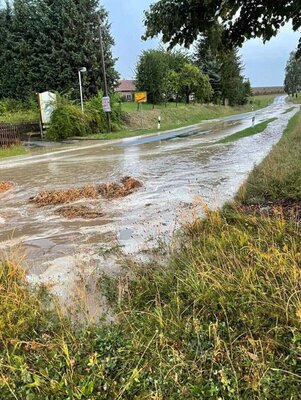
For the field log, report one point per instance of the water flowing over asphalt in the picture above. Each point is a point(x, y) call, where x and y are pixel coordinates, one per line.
point(176, 169)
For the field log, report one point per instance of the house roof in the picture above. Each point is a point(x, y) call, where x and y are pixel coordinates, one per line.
point(126, 86)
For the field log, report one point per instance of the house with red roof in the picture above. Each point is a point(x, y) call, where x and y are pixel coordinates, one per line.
point(126, 89)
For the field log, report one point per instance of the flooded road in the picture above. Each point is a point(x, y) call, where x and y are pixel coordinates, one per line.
point(176, 170)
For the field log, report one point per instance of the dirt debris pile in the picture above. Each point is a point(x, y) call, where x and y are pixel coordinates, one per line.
point(79, 211)
point(5, 186)
point(54, 197)
point(114, 190)
point(110, 190)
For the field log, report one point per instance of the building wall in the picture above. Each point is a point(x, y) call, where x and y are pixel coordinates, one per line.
point(128, 96)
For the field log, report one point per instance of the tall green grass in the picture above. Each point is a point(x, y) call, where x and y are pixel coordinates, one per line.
point(12, 151)
point(221, 320)
point(12, 111)
point(278, 177)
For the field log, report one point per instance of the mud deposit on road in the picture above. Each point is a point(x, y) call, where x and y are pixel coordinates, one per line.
point(65, 253)
point(6, 186)
point(79, 211)
point(111, 190)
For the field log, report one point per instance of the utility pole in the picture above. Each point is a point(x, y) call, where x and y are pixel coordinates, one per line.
point(105, 82)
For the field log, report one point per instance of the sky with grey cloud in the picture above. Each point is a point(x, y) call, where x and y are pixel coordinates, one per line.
point(264, 63)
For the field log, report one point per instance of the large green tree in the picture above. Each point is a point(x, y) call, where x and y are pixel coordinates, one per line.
point(181, 21)
point(46, 42)
point(193, 82)
point(153, 73)
point(224, 69)
point(292, 83)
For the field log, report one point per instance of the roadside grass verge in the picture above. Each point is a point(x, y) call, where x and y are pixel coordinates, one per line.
point(247, 132)
point(278, 177)
point(222, 320)
point(295, 100)
point(12, 151)
point(173, 117)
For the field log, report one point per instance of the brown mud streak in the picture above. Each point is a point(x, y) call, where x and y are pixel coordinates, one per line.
point(79, 211)
point(110, 190)
point(5, 186)
point(289, 209)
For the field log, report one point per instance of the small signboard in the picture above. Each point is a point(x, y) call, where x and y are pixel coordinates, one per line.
point(47, 106)
point(106, 104)
point(141, 97)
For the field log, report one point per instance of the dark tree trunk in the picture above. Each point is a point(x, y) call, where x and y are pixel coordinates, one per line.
point(187, 97)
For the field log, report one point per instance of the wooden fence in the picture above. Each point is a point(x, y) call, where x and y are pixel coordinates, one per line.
point(10, 134)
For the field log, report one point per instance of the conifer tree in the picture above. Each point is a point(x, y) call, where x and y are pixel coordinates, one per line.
point(224, 68)
point(47, 41)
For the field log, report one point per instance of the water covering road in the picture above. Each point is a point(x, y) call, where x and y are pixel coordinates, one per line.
point(176, 168)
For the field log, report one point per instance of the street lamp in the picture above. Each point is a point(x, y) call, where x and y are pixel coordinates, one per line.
point(80, 71)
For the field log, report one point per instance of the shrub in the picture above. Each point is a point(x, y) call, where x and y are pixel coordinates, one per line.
point(96, 117)
point(67, 120)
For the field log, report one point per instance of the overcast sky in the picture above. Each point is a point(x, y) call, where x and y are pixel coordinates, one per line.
point(264, 63)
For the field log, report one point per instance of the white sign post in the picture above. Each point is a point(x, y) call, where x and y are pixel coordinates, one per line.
point(47, 105)
point(106, 104)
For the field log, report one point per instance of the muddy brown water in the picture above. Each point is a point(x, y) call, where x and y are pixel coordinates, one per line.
point(175, 173)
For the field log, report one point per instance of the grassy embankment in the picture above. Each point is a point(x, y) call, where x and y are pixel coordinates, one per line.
point(172, 117)
point(222, 320)
point(12, 151)
point(247, 132)
point(295, 100)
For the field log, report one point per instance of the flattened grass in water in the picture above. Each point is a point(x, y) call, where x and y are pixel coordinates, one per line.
point(247, 132)
point(288, 110)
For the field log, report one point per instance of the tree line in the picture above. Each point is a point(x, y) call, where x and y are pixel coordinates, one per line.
point(45, 42)
point(211, 74)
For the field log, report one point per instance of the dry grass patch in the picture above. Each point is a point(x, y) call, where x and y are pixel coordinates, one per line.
point(114, 190)
point(53, 197)
point(79, 211)
point(5, 186)
point(110, 190)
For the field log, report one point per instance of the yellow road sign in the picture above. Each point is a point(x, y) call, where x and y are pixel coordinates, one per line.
point(141, 97)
